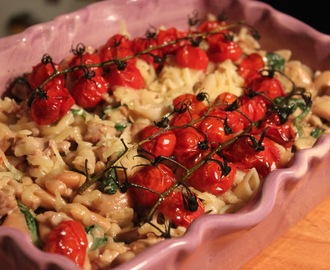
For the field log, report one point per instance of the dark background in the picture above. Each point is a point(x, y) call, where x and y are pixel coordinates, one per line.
point(315, 13)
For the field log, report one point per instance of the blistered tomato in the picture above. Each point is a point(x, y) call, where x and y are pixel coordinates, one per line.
point(68, 239)
point(177, 207)
point(151, 181)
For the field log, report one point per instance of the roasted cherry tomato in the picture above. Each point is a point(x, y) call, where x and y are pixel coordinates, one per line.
point(181, 119)
point(166, 37)
point(245, 156)
point(140, 44)
point(51, 104)
point(192, 57)
point(224, 100)
point(178, 208)
point(253, 109)
point(215, 176)
point(208, 26)
point(220, 51)
point(85, 60)
point(270, 87)
point(117, 47)
point(189, 102)
point(88, 92)
point(233, 121)
point(161, 145)
point(129, 77)
point(68, 239)
point(217, 130)
point(153, 179)
point(251, 65)
point(282, 134)
point(41, 72)
point(190, 141)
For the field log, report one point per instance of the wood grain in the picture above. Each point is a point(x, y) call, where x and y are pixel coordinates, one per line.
point(304, 246)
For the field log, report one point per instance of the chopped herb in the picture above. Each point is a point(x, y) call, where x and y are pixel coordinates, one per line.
point(31, 223)
point(109, 184)
point(316, 132)
point(96, 237)
point(80, 112)
point(292, 104)
point(275, 61)
point(120, 127)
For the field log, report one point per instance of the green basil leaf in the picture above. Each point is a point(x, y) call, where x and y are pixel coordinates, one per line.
point(96, 237)
point(275, 61)
point(109, 184)
point(316, 132)
point(120, 127)
point(30, 222)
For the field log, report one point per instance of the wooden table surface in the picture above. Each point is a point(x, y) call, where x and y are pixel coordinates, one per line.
point(304, 246)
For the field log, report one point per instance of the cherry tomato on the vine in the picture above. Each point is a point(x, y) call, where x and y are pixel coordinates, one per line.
point(85, 60)
point(216, 130)
point(208, 26)
point(88, 92)
point(69, 239)
point(233, 121)
point(51, 104)
point(215, 176)
point(181, 119)
point(140, 44)
point(192, 57)
point(246, 157)
point(41, 72)
point(250, 65)
point(129, 77)
point(282, 134)
point(189, 102)
point(117, 47)
point(220, 51)
point(161, 145)
point(190, 141)
point(166, 36)
point(173, 207)
point(157, 179)
point(225, 99)
point(253, 109)
point(270, 87)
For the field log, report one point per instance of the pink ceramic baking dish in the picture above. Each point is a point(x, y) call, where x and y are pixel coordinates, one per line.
point(212, 242)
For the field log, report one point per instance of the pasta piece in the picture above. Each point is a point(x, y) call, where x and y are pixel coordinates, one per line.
point(13, 172)
point(321, 107)
point(105, 255)
point(85, 157)
point(116, 206)
point(147, 71)
point(248, 186)
point(7, 200)
point(33, 197)
point(322, 83)
point(224, 79)
point(88, 218)
point(6, 135)
point(99, 130)
point(299, 73)
point(142, 103)
point(62, 125)
point(64, 183)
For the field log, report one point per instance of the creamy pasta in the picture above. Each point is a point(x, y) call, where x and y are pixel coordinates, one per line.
point(229, 121)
